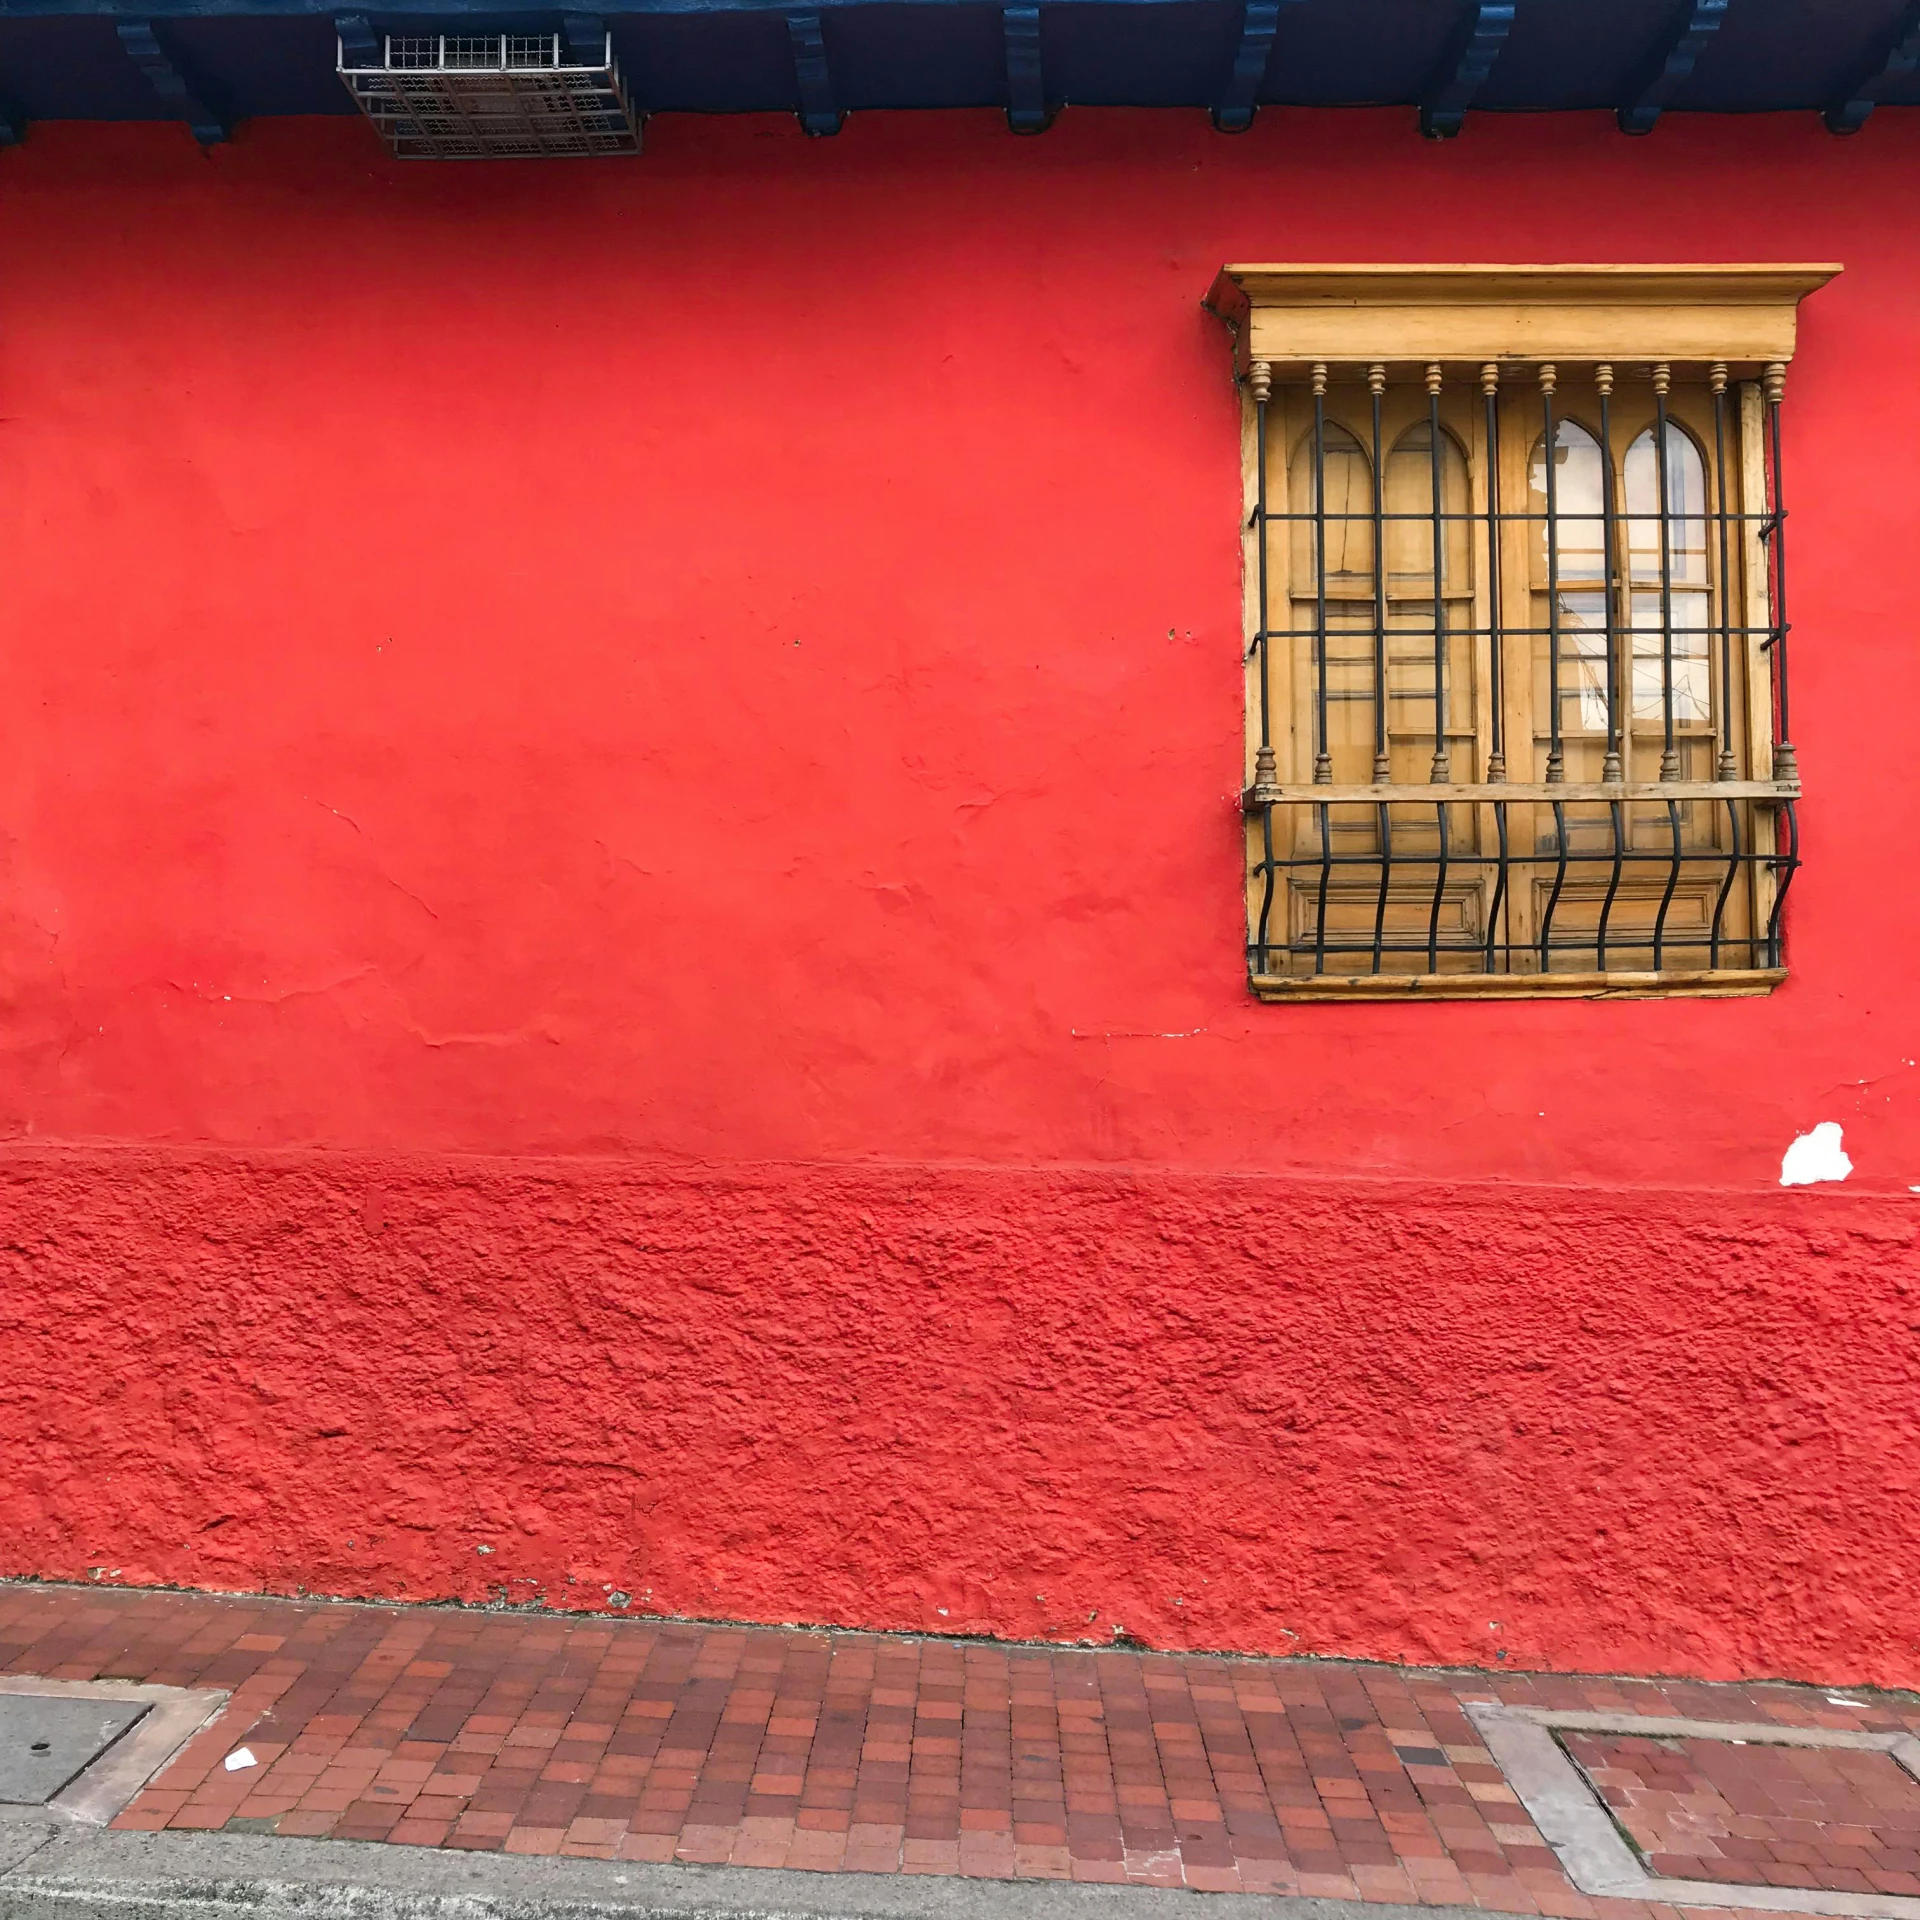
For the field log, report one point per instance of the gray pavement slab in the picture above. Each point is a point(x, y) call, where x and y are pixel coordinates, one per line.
point(93, 1873)
point(45, 1740)
point(20, 1835)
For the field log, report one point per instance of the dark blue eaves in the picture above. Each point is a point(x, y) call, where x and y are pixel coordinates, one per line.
point(1451, 59)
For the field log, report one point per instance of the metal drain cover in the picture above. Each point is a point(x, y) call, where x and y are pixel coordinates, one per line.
point(45, 1741)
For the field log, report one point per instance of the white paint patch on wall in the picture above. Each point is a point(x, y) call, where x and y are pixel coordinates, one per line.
point(1814, 1157)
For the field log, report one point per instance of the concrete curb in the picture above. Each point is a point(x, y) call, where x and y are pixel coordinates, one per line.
point(92, 1873)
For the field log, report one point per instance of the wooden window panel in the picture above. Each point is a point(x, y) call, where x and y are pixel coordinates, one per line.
point(1342, 922)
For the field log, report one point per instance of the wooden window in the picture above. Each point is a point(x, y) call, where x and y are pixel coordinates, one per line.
point(1517, 635)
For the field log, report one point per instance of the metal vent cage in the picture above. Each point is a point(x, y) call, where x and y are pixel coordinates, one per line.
point(445, 96)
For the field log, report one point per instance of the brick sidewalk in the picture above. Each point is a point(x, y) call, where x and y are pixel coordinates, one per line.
point(635, 1740)
point(1761, 1816)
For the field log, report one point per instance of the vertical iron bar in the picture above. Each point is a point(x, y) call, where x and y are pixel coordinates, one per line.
point(1556, 756)
point(1613, 767)
point(1441, 769)
point(1260, 378)
point(1266, 776)
point(1322, 759)
point(1618, 813)
point(1382, 767)
point(1497, 756)
point(1386, 874)
point(1729, 764)
point(1734, 860)
point(1786, 865)
point(1669, 752)
point(1382, 762)
point(1263, 933)
point(1439, 893)
point(1320, 905)
point(1496, 647)
point(1559, 881)
point(1499, 884)
point(1784, 765)
point(1673, 880)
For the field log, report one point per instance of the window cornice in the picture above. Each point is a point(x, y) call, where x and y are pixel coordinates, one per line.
point(1293, 315)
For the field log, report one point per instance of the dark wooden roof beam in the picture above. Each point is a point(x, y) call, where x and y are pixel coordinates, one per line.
point(1669, 66)
point(1027, 110)
point(1890, 64)
point(585, 35)
point(812, 76)
point(1464, 67)
point(1239, 98)
point(359, 44)
point(177, 93)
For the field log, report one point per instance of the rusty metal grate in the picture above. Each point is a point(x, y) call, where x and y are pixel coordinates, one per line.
point(442, 96)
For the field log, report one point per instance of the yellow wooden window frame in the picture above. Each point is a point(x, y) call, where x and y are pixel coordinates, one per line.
point(1506, 328)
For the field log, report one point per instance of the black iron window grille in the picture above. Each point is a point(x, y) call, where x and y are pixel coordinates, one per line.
point(1519, 657)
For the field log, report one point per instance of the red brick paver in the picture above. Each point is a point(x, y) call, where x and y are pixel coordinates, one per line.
point(1749, 1814)
point(643, 1740)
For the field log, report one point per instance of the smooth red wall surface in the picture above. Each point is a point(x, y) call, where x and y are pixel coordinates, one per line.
point(722, 672)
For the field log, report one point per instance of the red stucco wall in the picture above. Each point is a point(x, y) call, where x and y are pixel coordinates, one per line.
point(722, 673)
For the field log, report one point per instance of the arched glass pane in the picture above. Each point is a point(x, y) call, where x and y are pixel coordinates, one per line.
point(1348, 477)
point(1579, 500)
point(1676, 600)
point(1686, 509)
point(1577, 564)
point(1409, 495)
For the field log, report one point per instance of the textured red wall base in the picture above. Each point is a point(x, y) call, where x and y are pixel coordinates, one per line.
point(1663, 1431)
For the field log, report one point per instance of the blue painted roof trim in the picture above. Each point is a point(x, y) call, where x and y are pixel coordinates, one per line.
point(823, 59)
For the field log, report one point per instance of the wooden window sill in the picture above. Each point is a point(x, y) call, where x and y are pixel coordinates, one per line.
point(1728, 983)
point(1523, 792)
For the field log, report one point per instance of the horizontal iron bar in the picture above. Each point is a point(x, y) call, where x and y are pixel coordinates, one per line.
point(1369, 861)
point(1477, 517)
point(1358, 630)
point(1479, 948)
point(1370, 864)
point(1299, 795)
point(1478, 945)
